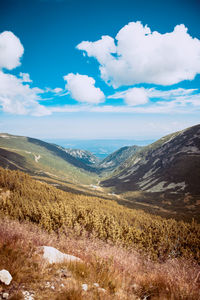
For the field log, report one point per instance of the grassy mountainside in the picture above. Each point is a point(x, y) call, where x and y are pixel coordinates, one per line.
point(129, 253)
point(116, 158)
point(172, 164)
point(40, 158)
point(23, 198)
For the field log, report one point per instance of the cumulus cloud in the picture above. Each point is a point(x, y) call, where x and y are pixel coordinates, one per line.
point(82, 88)
point(19, 98)
point(16, 97)
point(11, 50)
point(101, 49)
point(133, 96)
point(140, 56)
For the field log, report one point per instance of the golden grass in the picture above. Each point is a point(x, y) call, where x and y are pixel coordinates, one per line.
point(124, 274)
point(60, 211)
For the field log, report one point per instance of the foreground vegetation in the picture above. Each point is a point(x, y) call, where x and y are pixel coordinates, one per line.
point(25, 199)
point(121, 274)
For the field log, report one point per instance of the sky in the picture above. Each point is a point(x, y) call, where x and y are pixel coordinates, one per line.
point(99, 69)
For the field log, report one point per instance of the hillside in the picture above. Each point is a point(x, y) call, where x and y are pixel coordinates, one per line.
point(172, 164)
point(128, 253)
point(43, 159)
point(112, 161)
point(84, 156)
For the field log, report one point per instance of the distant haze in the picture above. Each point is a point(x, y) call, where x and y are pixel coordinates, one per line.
point(101, 147)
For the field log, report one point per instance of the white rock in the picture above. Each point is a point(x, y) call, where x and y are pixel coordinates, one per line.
point(5, 277)
point(96, 284)
point(28, 295)
point(5, 296)
point(84, 287)
point(52, 255)
point(102, 290)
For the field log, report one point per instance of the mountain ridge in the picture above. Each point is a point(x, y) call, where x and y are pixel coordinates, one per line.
point(171, 160)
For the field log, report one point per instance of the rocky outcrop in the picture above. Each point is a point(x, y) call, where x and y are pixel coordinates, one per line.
point(172, 165)
point(52, 255)
point(5, 277)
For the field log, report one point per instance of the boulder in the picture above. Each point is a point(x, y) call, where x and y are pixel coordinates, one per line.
point(84, 287)
point(52, 255)
point(5, 277)
point(5, 296)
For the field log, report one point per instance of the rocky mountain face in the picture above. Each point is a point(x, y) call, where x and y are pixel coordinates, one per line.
point(172, 164)
point(84, 156)
point(116, 158)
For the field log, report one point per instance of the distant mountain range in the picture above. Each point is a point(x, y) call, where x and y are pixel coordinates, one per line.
point(100, 148)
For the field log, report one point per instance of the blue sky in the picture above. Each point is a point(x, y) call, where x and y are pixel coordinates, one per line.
point(99, 69)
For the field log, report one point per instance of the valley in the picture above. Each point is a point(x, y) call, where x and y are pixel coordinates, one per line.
point(127, 218)
point(161, 178)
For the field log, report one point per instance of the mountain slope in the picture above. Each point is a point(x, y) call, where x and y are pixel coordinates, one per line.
point(40, 158)
point(172, 164)
point(84, 156)
point(113, 160)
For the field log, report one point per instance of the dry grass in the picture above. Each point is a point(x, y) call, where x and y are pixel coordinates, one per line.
point(123, 274)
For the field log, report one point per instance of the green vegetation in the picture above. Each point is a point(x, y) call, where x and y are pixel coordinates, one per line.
point(39, 158)
point(23, 198)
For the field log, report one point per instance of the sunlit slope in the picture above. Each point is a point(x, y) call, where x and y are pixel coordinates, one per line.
point(40, 158)
point(23, 198)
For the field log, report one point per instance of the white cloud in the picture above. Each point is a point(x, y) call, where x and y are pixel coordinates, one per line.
point(133, 96)
point(25, 77)
point(82, 88)
point(11, 50)
point(19, 98)
point(16, 97)
point(57, 90)
point(139, 96)
point(178, 101)
point(169, 94)
point(145, 56)
point(101, 49)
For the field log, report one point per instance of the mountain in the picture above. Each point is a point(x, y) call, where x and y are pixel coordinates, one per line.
point(172, 165)
point(113, 160)
point(84, 156)
point(43, 159)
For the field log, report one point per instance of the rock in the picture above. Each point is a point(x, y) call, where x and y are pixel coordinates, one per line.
point(96, 284)
point(52, 255)
point(84, 287)
point(5, 296)
point(5, 277)
point(28, 295)
point(102, 290)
